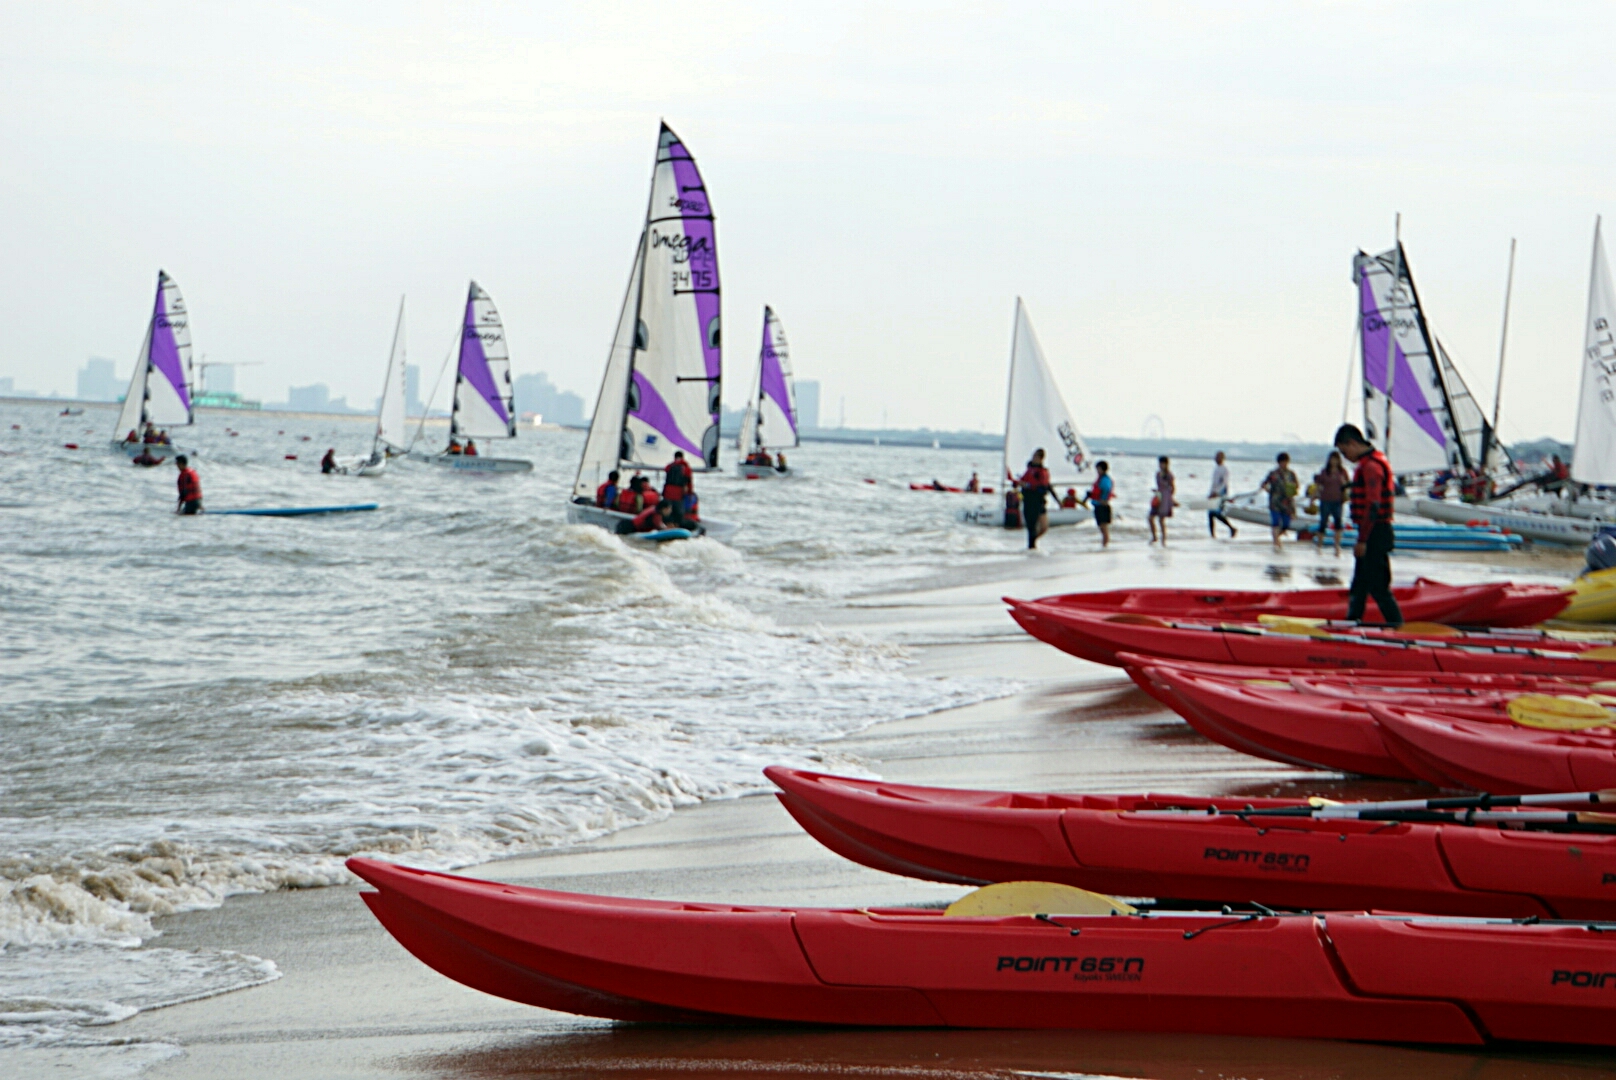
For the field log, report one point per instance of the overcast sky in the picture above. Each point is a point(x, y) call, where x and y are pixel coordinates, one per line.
point(1176, 189)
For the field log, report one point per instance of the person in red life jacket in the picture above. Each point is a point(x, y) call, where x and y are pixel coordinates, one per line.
point(146, 459)
point(650, 519)
point(636, 497)
point(679, 479)
point(1099, 497)
point(606, 494)
point(1070, 502)
point(454, 446)
point(1035, 489)
point(1373, 489)
point(190, 487)
point(692, 512)
point(328, 464)
point(150, 435)
point(132, 437)
point(471, 448)
point(1012, 507)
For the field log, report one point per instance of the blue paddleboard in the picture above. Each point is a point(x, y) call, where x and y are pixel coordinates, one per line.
point(665, 534)
point(299, 511)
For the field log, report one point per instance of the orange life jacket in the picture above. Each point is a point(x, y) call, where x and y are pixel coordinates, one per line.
point(190, 486)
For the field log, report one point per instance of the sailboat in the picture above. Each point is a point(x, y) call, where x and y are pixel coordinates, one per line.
point(663, 382)
point(770, 419)
point(159, 394)
point(484, 406)
point(1035, 417)
point(389, 438)
point(1564, 518)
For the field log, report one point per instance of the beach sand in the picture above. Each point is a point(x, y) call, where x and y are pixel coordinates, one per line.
point(352, 1004)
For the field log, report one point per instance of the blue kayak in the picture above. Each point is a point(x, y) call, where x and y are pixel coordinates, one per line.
point(664, 534)
point(299, 511)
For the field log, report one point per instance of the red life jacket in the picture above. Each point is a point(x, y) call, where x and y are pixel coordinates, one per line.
point(678, 474)
point(190, 486)
point(648, 520)
point(600, 493)
point(673, 493)
point(628, 502)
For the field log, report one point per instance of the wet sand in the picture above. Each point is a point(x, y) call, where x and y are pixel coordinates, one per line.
point(352, 1003)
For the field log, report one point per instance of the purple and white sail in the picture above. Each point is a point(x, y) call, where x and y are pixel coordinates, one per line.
point(483, 401)
point(160, 389)
point(664, 376)
point(1405, 413)
point(770, 419)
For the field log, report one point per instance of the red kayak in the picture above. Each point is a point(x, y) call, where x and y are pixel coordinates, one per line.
point(1492, 604)
point(1402, 978)
point(1501, 758)
point(1323, 721)
point(1133, 845)
point(1101, 638)
point(951, 490)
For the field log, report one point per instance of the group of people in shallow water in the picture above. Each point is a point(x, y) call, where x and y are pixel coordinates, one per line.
point(760, 457)
point(676, 507)
point(1027, 499)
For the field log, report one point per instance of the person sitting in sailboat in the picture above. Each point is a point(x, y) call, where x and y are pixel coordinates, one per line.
point(636, 497)
point(132, 437)
point(606, 494)
point(454, 446)
point(471, 448)
point(1070, 501)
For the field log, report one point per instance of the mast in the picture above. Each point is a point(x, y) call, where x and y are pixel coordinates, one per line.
point(1391, 331)
point(1503, 342)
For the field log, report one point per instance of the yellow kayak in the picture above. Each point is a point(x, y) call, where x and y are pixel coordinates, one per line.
point(1595, 599)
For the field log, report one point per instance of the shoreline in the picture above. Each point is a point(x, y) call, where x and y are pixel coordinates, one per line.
point(352, 1003)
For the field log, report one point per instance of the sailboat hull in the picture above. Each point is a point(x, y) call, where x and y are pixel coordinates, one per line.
point(1534, 525)
point(760, 472)
point(162, 450)
point(994, 516)
point(476, 463)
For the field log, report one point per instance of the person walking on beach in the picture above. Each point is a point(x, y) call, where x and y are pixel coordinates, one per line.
point(1161, 503)
point(1100, 496)
point(1332, 483)
point(1281, 485)
point(1035, 488)
point(1219, 494)
point(190, 487)
point(1373, 489)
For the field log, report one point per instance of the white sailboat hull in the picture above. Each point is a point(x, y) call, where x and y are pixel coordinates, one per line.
point(476, 463)
point(614, 521)
point(994, 516)
point(1532, 524)
point(162, 450)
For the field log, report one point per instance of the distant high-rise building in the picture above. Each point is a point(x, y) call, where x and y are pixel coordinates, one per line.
point(8, 386)
point(537, 394)
point(412, 389)
point(807, 404)
point(316, 398)
point(98, 381)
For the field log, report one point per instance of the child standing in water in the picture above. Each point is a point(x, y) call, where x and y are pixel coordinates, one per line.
point(1161, 503)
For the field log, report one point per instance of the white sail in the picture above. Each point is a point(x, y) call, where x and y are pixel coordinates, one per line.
point(160, 389)
point(483, 400)
point(775, 402)
point(1472, 441)
point(1417, 414)
point(606, 445)
point(390, 416)
point(1036, 415)
point(675, 384)
point(1594, 459)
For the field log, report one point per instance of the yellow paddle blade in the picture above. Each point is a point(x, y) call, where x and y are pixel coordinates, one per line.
point(1035, 898)
point(1319, 800)
point(1603, 652)
point(1272, 684)
point(1280, 624)
point(1298, 620)
point(1562, 634)
point(1562, 713)
point(1605, 684)
point(1429, 629)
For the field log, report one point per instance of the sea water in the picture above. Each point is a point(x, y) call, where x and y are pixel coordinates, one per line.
point(200, 707)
